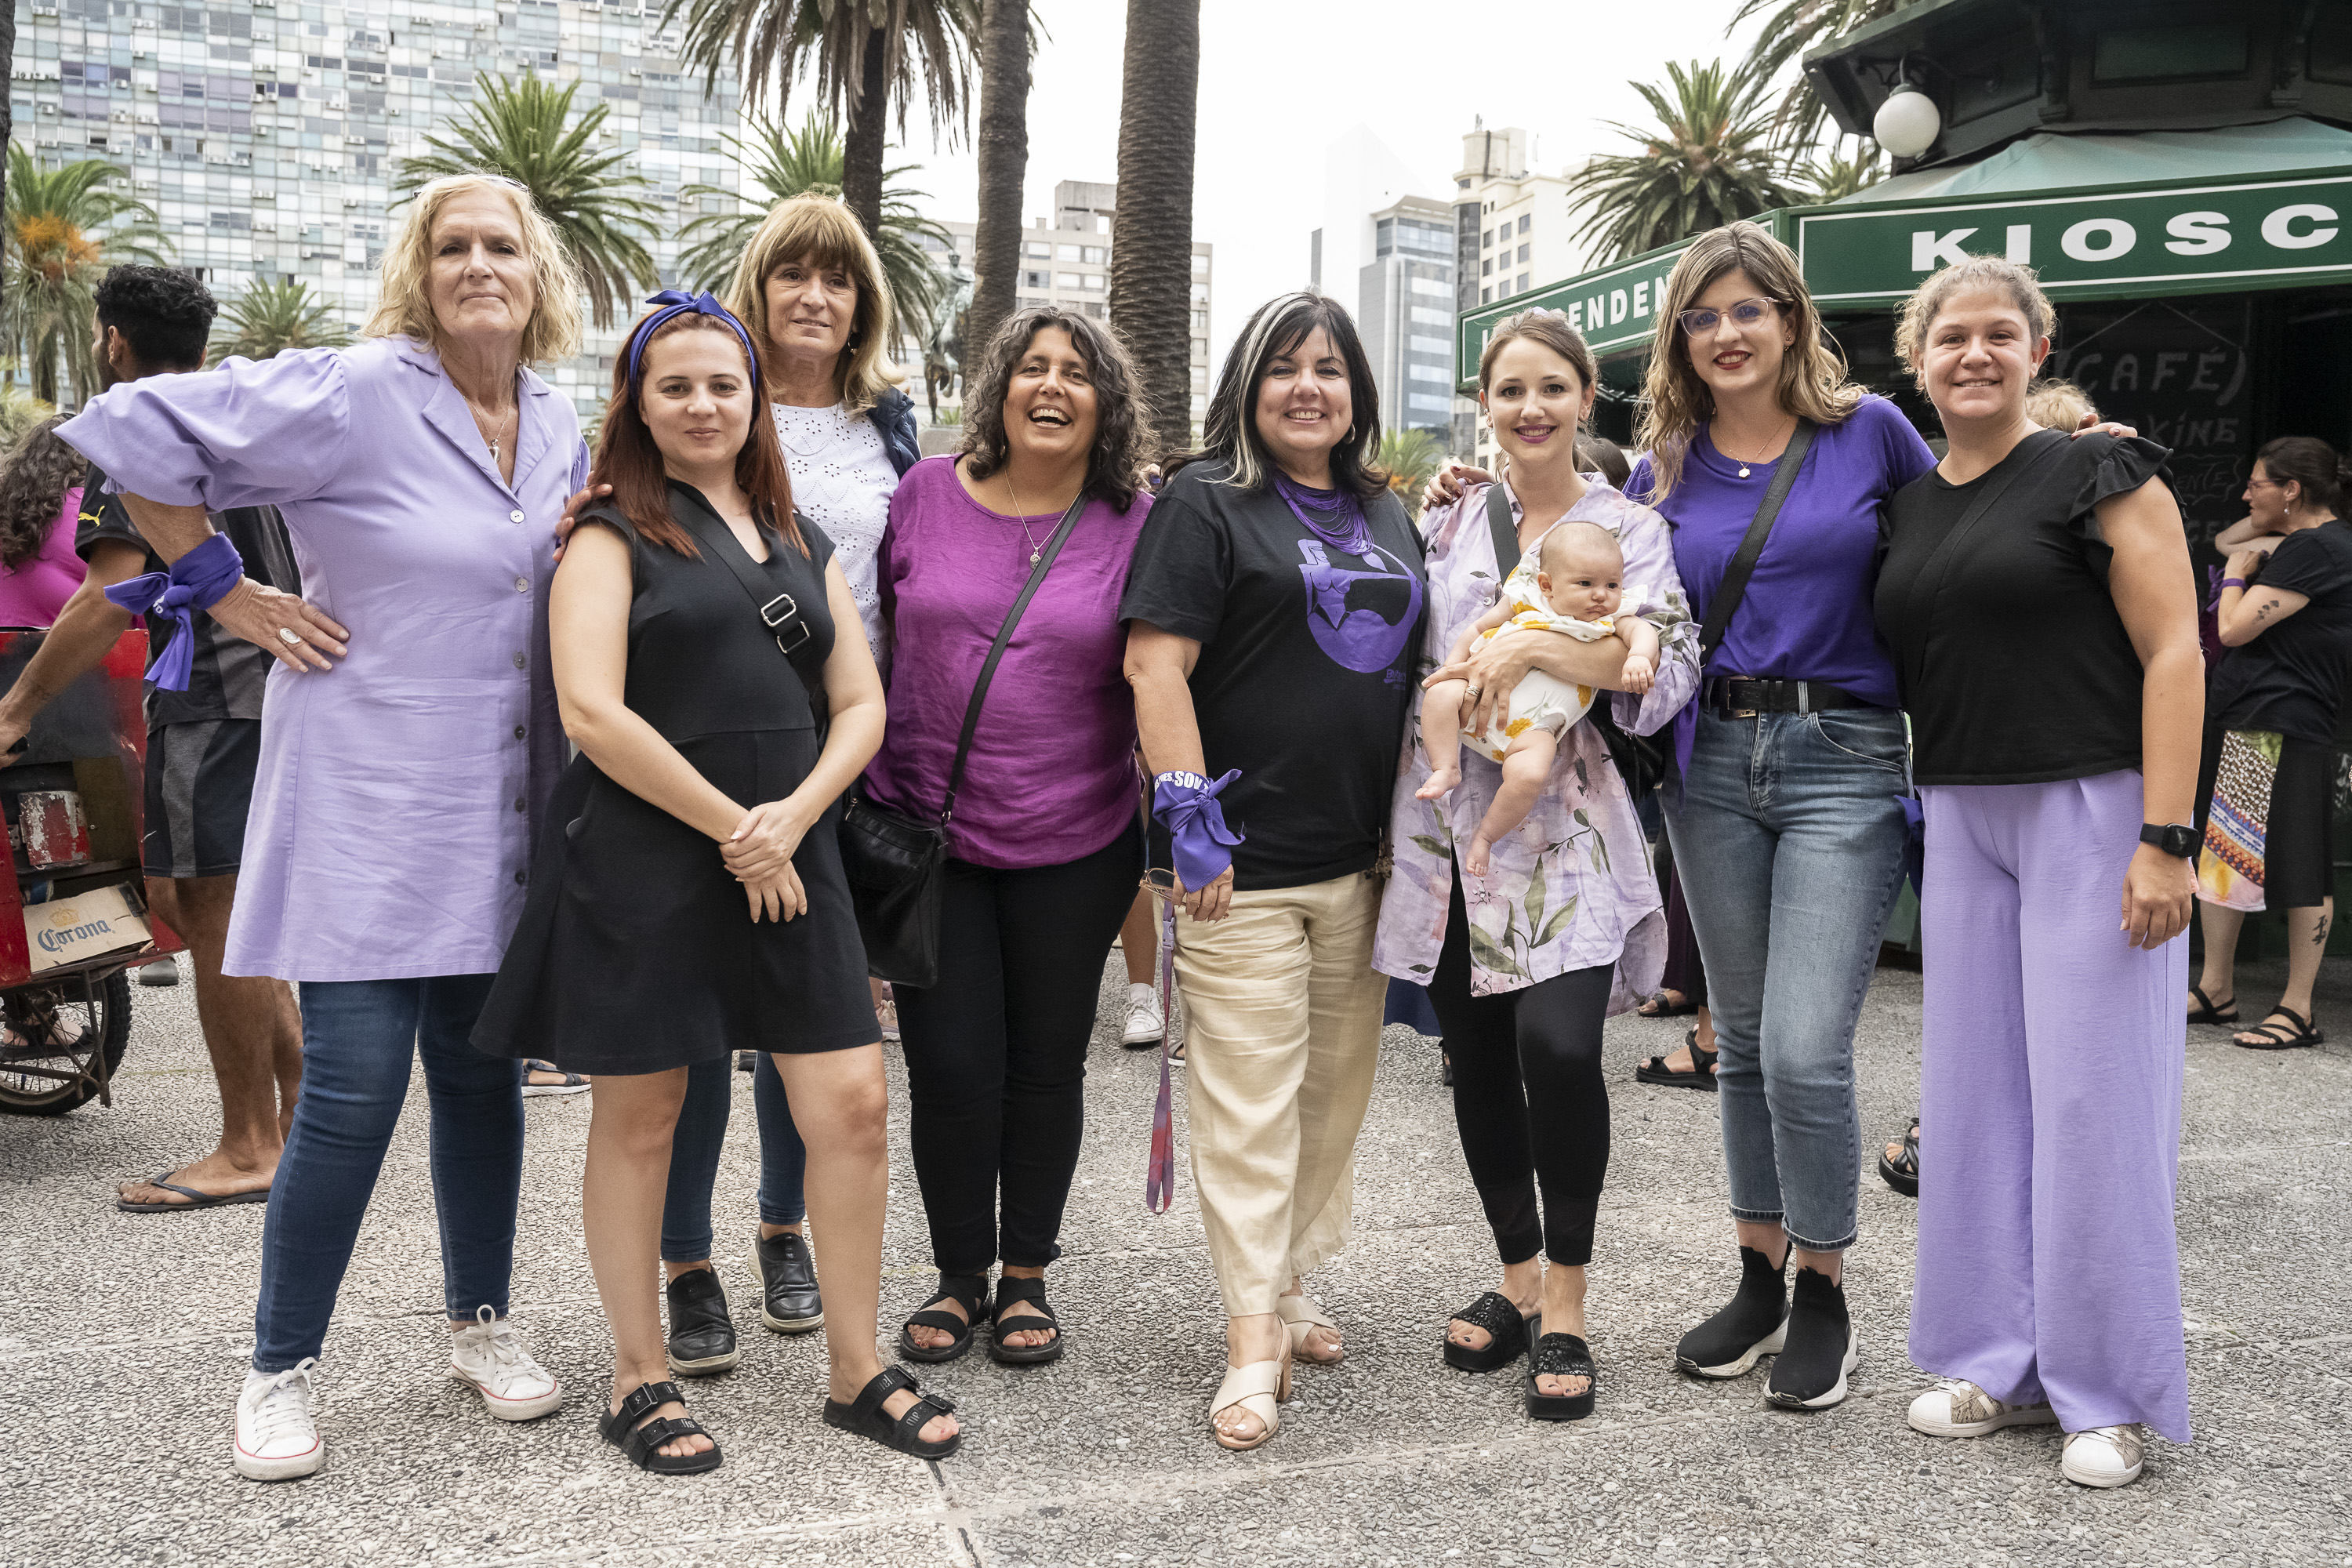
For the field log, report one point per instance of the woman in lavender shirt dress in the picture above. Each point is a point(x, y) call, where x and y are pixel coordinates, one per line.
point(402, 762)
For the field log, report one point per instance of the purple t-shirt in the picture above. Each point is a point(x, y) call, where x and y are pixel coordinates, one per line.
point(1051, 777)
point(1807, 613)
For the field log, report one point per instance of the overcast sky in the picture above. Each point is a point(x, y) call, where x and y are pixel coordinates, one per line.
point(1280, 80)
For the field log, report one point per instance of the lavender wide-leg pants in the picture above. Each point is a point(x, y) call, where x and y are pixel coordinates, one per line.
point(2048, 1109)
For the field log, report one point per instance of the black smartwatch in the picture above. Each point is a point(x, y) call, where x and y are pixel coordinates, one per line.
point(2175, 840)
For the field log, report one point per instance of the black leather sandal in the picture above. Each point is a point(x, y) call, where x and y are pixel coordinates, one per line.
point(643, 1443)
point(1657, 1007)
point(1902, 1174)
point(1702, 1068)
point(1561, 1355)
point(968, 1291)
point(1009, 1291)
point(2206, 1013)
point(1507, 1334)
point(2269, 1037)
point(863, 1417)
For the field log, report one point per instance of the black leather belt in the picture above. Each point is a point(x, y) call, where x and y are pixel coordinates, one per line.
point(1738, 697)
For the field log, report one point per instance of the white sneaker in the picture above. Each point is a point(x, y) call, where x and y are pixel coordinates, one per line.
point(2104, 1457)
point(277, 1424)
point(1142, 1017)
point(489, 1355)
point(1956, 1407)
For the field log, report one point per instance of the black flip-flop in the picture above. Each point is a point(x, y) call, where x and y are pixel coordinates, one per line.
point(196, 1200)
point(1902, 1174)
point(2272, 1040)
point(2206, 1013)
point(1702, 1070)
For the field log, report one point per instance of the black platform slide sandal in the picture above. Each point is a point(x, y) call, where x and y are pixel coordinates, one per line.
point(865, 1417)
point(1506, 1333)
point(643, 1443)
point(1902, 1174)
point(1561, 1355)
point(2269, 1037)
point(968, 1291)
point(1009, 1291)
point(2206, 1013)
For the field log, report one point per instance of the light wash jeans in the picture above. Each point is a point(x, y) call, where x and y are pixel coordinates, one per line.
point(1788, 837)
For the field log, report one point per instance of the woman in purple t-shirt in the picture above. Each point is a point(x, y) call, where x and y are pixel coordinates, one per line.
point(1046, 849)
point(1788, 824)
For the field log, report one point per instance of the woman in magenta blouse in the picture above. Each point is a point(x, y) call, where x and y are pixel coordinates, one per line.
point(1045, 849)
point(40, 496)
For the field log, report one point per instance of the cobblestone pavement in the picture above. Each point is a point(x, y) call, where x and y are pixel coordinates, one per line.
point(123, 1336)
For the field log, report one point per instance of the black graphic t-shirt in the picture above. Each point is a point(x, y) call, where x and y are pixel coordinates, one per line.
point(2293, 678)
point(1305, 669)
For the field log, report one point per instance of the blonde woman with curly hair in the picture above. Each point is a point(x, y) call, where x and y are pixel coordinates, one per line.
point(402, 777)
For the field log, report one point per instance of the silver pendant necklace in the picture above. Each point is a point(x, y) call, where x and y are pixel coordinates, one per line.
point(1020, 516)
point(1744, 462)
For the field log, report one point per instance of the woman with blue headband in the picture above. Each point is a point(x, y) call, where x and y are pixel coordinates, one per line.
point(688, 900)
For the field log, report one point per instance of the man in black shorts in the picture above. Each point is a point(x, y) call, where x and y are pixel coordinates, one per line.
point(202, 748)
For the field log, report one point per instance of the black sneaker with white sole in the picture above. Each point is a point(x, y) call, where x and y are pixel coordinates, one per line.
point(789, 1303)
point(1749, 1328)
point(1811, 1371)
point(702, 1329)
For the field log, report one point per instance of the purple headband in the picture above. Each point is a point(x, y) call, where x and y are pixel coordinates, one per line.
point(675, 303)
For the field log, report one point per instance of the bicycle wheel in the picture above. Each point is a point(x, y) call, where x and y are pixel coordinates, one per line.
point(51, 1045)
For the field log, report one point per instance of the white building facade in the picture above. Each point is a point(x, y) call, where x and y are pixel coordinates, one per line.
point(1514, 231)
point(1405, 313)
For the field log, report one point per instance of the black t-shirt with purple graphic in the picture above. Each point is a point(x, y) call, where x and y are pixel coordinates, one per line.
point(1306, 670)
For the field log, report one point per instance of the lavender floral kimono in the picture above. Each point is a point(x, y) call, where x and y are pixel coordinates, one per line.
point(1572, 888)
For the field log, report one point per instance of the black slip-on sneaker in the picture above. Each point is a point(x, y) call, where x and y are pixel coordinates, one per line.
point(1811, 1371)
point(1746, 1330)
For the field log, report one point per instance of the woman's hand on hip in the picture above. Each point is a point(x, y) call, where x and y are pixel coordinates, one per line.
point(1212, 902)
point(777, 898)
point(765, 841)
point(571, 510)
point(2158, 891)
point(299, 634)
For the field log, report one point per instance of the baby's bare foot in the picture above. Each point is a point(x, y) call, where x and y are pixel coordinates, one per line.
point(1441, 782)
point(1474, 862)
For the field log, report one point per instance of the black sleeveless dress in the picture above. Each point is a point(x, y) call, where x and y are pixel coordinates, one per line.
point(637, 951)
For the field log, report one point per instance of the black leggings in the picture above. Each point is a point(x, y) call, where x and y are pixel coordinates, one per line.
point(1529, 1098)
point(996, 1051)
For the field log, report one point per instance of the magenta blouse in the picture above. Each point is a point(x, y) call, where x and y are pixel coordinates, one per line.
point(32, 594)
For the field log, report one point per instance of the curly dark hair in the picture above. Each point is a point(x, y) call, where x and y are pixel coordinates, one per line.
point(165, 313)
point(37, 472)
point(1115, 468)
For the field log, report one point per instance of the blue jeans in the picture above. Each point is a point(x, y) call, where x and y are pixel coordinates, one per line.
point(694, 1155)
point(359, 1037)
point(1789, 837)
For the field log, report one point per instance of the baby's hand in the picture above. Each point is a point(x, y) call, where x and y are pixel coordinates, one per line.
point(1639, 673)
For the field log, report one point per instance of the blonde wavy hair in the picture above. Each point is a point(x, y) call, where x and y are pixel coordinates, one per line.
point(403, 306)
point(826, 233)
point(1813, 379)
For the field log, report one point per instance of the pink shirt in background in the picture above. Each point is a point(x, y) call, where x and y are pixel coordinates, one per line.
point(32, 594)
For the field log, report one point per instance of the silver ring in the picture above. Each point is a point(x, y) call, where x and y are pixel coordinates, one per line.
point(287, 635)
point(1474, 690)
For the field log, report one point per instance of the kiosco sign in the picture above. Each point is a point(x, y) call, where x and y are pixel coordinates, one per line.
point(2192, 240)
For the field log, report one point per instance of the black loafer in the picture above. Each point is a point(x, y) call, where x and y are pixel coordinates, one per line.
point(702, 1330)
point(789, 1301)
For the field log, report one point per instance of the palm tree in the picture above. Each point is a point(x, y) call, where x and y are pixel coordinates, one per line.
point(869, 55)
point(809, 160)
point(1707, 162)
point(518, 131)
point(1794, 29)
point(1151, 233)
point(1005, 43)
point(1834, 178)
point(1409, 457)
point(274, 315)
point(19, 411)
point(55, 256)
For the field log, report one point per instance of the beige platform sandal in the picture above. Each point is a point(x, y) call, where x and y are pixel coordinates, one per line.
point(1301, 1315)
point(1256, 1388)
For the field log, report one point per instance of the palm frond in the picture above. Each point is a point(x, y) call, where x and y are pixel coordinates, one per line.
point(1409, 457)
point(274, 315)
point(1833, 178)
point(1792, 29)
point(927, 47)
point(1708, 160)
point(64, 228)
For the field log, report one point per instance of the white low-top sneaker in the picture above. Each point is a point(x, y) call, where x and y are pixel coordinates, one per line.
point(1956, 1407)
point(277, 1425)
point(2104, 1457)
point(1142, 1024)
point(490, 1355)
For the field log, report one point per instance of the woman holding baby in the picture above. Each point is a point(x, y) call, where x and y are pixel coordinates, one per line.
point(1522, 896)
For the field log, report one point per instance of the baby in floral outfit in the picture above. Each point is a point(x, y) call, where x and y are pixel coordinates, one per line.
point(1570, 583)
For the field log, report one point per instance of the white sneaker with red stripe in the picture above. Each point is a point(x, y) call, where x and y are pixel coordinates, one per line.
point(490, 1356)
point(277, 1427)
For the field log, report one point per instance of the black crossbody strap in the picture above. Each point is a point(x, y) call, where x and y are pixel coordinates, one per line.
point(1506, 534)
point(1004, 636)
point(1734, 586)
point(780, 613)
point(1931, 575)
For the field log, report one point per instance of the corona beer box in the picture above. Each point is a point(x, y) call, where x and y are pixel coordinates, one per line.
point(87, 925)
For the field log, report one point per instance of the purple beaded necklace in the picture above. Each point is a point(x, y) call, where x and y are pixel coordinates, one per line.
point(1341, 522)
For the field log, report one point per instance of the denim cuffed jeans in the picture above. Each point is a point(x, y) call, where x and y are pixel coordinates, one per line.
point(1788, 837)
point(359, 1037)
point(694, 1155)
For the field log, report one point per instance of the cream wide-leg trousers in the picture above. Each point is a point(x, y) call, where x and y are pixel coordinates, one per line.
point(1282, 1030)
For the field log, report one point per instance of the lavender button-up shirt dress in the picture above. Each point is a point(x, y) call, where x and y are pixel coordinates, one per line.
point(399, 793)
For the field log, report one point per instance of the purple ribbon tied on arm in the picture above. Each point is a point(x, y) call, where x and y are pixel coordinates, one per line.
point(1186, 805)
point(197, 581)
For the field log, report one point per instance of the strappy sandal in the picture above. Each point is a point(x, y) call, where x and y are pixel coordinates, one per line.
point(865, 1417)
point(1902, 1174)
point(1256, 1388)
point(1507, 1334)
point(1702, 1068)
point(2206, 1013)
point(643, 1443)
point(1301, 1315)
point(1009, 1291)
point(968, 1291)
point(1561, 1355)
point(1657, 1007)
point(2270, 1039)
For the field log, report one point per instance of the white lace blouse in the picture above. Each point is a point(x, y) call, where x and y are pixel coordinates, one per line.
point(843, 481)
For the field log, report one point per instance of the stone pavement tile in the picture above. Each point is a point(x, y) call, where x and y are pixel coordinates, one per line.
point(2262, 1241)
